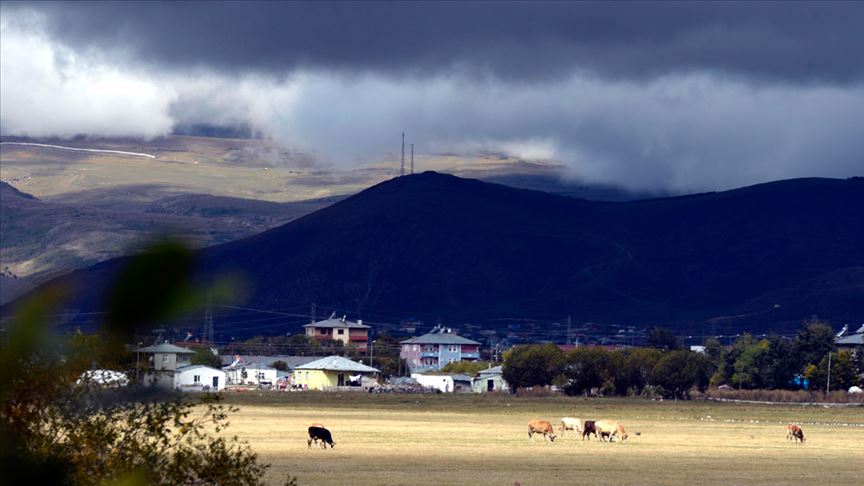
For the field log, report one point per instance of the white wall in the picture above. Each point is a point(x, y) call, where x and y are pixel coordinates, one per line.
point(185, 379)
point(439, 382)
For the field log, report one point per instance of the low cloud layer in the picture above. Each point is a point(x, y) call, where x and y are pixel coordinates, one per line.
point(704, 99)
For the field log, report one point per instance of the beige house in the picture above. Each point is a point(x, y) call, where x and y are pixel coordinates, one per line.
point(333, 329)
point(166, 357)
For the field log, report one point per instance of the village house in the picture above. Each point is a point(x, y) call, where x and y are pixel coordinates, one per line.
point(853, 341)
point(331, 372)
point(255, 374)
point(166, 357)
point(434, 350)
point(199, 378)
point(332, 329)
point(156, 364)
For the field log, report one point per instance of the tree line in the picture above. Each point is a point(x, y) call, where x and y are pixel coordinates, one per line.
point(772, 362)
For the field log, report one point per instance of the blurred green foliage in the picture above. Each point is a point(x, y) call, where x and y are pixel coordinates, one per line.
point(59, 427)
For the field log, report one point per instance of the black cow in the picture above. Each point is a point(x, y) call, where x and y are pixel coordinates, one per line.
point(321, 434)
point(588, 428)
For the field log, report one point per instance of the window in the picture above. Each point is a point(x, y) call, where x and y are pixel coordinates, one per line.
point(196, 378)
point(260, 376)
point(322, 331)
point(454, 349)
point(164, 358)
point(340, 331)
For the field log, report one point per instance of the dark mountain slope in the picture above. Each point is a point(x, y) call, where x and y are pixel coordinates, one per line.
point(438, 246)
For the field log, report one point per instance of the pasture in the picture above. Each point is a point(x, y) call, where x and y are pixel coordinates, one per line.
point(483, 439)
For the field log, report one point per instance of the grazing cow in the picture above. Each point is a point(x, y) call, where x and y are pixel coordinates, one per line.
point(570, 423)
point(609, 428)
point(794, 433)
point(588, 428)
point(541, 427)
point(318, 433)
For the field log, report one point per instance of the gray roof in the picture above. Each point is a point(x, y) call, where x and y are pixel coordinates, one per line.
point(337, 363)
point(291, 361)
point(497, 370)
point(192, 367)
point(165, 348)
point(338, 323)
point(852, 340)
point(440, 338)
point(460, 377)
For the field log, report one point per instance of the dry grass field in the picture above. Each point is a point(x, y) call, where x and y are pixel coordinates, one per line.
point(435, 439)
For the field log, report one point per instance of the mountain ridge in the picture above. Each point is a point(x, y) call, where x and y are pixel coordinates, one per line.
point(437, 245)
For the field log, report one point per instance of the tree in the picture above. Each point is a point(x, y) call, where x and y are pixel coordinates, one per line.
point(638, 369)
point(527, 366)
point(587, 368)
point(842, 372)
point(58, 427)
point(280, 365)
point(813, 343)
point(662, 338)
point(679, 371)
point(206, 357)
point(751, 366)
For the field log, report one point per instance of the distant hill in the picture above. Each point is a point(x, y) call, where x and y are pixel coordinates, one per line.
point(435, 245)
point(45, 238)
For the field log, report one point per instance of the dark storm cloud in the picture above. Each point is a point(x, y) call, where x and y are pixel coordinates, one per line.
point(777, 41)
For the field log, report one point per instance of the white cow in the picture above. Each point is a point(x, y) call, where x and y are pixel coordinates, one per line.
point(570, 423)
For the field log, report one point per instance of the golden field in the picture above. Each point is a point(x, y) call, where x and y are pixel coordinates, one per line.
point(482, 439)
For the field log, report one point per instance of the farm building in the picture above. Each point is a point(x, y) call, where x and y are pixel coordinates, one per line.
point(453, 383)
point(199, 378)
point(434, 350)
point(348, 332)
point(491, 379)
point(331, 372)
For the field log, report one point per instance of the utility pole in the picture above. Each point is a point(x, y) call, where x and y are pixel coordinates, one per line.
point(828, 386)
point(412, 158)
point(403, 153)
point(568, 329)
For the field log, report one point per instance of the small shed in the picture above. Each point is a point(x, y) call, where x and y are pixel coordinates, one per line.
point(490, 379)
point(331, 372)
point(199, 378)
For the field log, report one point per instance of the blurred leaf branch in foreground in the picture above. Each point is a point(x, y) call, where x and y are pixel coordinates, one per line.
point(59, 427)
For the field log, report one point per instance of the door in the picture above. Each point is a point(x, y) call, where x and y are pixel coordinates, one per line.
point(490, 385)
point(215, 382)
point(341, 379)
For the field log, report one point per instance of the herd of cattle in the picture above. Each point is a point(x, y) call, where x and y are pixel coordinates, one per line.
point(602, 429)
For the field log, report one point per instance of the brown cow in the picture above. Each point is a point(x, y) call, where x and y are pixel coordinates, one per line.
point(611, 429)
point(794, 433)
point(541, 427)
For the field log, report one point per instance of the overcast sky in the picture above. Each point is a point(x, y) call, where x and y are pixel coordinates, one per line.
point(680, 96)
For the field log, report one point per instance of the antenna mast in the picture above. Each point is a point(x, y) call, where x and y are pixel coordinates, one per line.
point(412, 158)
point(403, 153)
point(208, 321)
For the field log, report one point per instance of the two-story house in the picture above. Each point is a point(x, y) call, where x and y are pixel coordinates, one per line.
point(355, 333)
point(434, 350)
